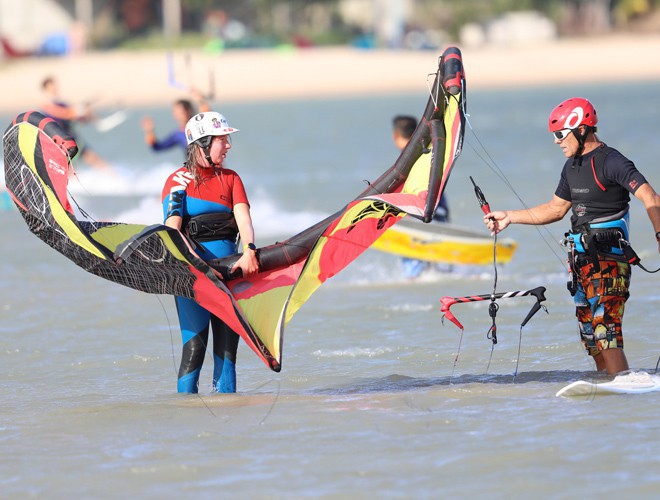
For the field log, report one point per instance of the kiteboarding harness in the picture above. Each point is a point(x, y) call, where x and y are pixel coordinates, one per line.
point(606, 234)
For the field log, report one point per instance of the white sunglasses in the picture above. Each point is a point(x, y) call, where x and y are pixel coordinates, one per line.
point(562, 134)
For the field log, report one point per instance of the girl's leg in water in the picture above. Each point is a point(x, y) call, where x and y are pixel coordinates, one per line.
point(194, 323)
point(225, 346)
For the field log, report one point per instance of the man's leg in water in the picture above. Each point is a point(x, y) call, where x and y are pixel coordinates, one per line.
point(194, 323)
point(225, 346)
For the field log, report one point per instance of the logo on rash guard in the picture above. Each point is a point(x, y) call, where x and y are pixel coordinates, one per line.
point(175, 206)
point(580, 210)
point(180, 181)
point(633, 184)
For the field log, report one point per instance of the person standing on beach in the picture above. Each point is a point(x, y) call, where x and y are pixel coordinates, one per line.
point(182, 111)
point(66, 115)
point(403, 127)
point(208, 203)
point(595, 183)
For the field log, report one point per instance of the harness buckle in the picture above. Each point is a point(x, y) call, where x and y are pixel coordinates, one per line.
point(193, 228)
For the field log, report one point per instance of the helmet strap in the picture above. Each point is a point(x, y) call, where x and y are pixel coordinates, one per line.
point(205, 145)
point(207, 155)
point(577, 157)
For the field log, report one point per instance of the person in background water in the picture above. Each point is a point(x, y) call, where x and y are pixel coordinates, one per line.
point(403, 127)
point(595, 183)
point(208, 203)
point(66, 115)
point(182, 111)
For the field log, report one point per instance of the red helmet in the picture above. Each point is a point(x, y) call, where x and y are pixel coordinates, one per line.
point(571, 114)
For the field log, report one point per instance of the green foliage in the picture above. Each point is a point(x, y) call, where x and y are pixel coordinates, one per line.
point(261, 19)
point(625, 10)
point(156, 40)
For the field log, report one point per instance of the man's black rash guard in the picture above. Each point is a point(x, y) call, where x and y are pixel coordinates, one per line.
point(599, 186)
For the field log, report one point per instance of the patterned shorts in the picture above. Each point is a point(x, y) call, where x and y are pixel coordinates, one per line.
point(599, 303)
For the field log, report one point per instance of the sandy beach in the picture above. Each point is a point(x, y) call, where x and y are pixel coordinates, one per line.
point(109, 79)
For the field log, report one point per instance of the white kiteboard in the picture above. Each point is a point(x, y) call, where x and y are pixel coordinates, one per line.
point(630, 383)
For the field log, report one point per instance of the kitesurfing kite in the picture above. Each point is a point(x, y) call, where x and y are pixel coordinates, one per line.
point(156, 259)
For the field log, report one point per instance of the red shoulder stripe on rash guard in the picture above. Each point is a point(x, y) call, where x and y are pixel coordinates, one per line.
point(593, 169)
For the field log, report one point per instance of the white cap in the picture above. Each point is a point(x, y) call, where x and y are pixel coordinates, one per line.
point(207, 124)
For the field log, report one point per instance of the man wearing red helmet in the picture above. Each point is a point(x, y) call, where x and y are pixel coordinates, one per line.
point(595, 184)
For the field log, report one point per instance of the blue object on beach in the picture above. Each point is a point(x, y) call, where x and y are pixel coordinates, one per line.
point(5, 201)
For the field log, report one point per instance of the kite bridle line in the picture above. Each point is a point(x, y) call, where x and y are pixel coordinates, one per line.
point(434, 93)
point(494, 167)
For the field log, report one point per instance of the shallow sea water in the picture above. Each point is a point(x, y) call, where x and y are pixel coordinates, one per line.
point(372, 400)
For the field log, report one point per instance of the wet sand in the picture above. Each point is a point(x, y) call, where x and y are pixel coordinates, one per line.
point(109, 79)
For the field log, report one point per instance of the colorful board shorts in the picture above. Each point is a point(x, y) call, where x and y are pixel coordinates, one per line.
point(599, 303)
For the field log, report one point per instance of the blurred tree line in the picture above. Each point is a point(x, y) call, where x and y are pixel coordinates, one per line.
point(243, 23)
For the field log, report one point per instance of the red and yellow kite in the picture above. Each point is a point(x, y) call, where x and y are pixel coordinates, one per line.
point(156, 259)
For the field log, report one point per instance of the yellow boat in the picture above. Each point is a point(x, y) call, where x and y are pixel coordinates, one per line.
point(443, 242)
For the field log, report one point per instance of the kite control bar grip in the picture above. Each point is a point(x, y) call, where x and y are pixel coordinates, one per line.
point(447, 302)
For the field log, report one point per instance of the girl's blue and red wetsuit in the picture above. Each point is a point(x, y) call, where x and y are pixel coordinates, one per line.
point(219, 192)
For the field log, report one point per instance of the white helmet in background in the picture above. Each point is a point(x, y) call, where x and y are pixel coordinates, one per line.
point(208, 125)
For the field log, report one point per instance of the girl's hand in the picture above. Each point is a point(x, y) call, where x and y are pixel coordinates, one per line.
point(247, 263)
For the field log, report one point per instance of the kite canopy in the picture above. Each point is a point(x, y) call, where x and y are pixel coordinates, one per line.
point(156, 259)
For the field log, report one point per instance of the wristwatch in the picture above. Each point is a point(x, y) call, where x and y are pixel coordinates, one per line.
point(250, 246)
